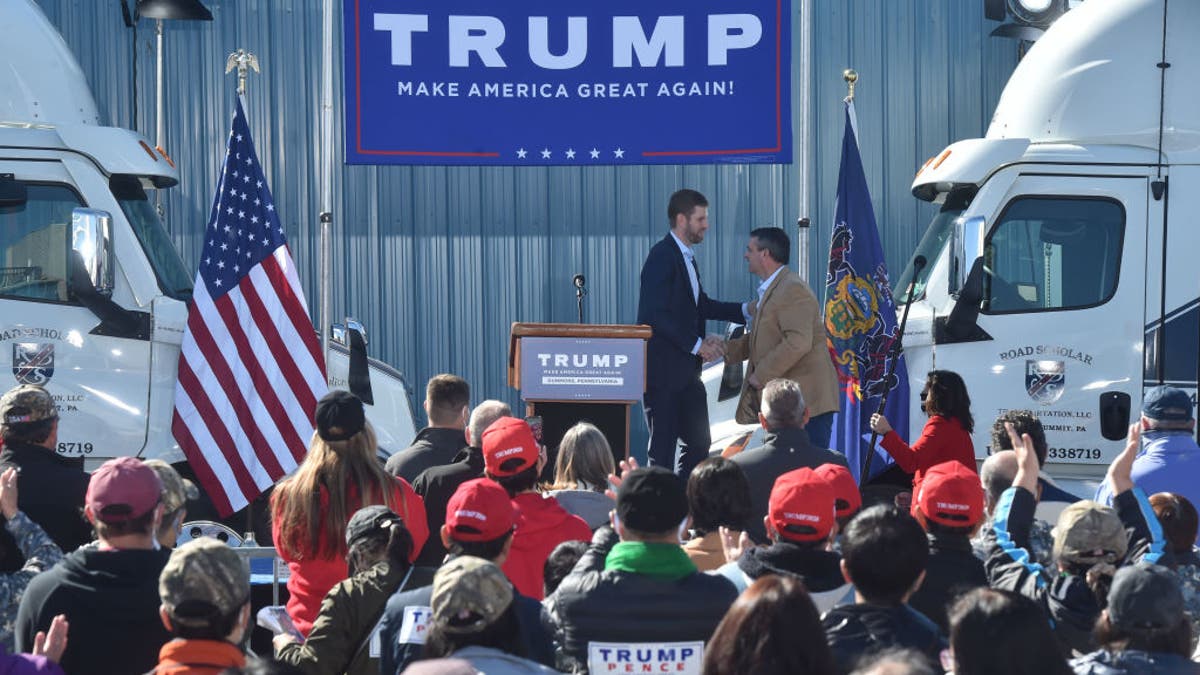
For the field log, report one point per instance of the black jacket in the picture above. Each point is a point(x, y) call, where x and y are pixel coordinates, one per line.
point(1133, 662)
point(1068, 601)
point(782, 450)
point(666, 304)
point(597, 605)
point(432, 447)
point(51, 491)
point(854, 631)
point(436, 486)
point(952, 570)
point(111, 600)
point(399, 649)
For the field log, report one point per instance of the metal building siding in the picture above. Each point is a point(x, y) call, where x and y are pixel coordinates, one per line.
point(438, 261)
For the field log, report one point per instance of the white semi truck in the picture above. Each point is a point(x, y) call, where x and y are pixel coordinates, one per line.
point(1064, 259)
point(93, 295)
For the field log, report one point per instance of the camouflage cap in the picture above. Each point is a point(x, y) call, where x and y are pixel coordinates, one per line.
point(27, 403)
point(1088, 532)
point(469, 594)
point(203, 581)
point(176, 490)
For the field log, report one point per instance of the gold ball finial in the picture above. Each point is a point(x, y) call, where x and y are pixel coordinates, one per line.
point(850, 76)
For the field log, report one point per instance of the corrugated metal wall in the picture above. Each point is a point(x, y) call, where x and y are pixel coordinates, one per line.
point(438, 262)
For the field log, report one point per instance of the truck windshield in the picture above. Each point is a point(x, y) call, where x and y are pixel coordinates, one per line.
point(172, 276)
point(932, 243)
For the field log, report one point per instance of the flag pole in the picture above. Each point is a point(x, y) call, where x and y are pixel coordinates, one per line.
point(894, 354)
point(325, 215)
point(243, 61)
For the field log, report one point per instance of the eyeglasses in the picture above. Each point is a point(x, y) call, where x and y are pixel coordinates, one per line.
point(924, 395)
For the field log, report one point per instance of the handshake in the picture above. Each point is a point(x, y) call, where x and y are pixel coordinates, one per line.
point(712, 348)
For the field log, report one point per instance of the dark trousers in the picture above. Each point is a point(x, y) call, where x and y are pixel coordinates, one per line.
point(820, 428)
point(675, 416)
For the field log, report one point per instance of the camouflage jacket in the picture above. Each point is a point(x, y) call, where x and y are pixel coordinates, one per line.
point(41, 553)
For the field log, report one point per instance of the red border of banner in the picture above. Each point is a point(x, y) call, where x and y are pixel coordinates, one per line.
point(646, 153)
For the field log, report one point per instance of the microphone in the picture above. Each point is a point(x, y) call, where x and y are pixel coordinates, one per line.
point(919, 262)
point(580, 291)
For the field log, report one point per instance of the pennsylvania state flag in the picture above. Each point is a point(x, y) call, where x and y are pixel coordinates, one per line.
point(860, 317)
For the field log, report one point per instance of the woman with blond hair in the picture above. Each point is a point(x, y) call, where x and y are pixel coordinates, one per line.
point(585, 461)
point(310, 508)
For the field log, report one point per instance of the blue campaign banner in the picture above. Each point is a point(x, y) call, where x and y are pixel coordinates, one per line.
point(579, 83)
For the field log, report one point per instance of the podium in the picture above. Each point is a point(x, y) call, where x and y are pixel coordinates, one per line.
point(568, 373)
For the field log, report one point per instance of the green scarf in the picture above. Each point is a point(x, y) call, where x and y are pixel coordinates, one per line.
point(661, 561)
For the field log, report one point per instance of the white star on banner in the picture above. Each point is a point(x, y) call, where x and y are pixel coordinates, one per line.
point(521, 153)
point(595, 153)
point(570, 153)
point(545, 153)
point(619, 153)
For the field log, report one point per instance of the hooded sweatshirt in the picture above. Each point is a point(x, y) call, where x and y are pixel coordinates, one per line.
point(820, 570)
point(541, 524)
point(111, 599)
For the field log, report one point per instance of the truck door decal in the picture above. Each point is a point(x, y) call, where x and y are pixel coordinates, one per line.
point(33, 362)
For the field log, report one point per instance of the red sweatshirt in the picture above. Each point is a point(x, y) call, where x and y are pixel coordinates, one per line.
point(942, 440)
point(541, 525)
point(311, 579)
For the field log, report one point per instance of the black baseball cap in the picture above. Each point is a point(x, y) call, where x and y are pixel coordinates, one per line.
point(339, 415)
point(652, 500)
point(370, 519)
point(1145, 597)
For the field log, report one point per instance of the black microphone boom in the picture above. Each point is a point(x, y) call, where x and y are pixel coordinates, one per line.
point(897, 346)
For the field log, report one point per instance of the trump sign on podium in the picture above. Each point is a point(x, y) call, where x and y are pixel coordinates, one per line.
point(542, 82)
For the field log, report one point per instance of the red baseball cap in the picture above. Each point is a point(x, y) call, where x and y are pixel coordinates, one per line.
point(951, 495)
point(123, 489)
point(845, 490)
point(506, 439)
point(479, 510)
point(801, 507)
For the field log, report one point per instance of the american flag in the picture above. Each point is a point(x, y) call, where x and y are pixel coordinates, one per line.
point(251, 369)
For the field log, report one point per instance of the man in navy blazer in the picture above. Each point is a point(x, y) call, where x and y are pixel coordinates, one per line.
point(673, 303)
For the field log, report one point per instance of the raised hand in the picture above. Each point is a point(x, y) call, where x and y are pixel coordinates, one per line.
point(1027, 464)
point(52, 642)
point(734, 544)
point(1120, 472)
point(8, 493)
point(615, 479)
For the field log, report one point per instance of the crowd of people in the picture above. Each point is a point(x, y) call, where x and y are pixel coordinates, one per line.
point(768, 561)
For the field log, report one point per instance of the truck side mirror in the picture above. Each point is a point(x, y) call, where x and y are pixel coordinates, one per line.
point(966, 245)
point(91, 238)
point(353, 336)
point(964, 317)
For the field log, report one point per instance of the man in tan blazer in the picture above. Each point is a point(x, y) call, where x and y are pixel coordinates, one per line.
point(786, 337)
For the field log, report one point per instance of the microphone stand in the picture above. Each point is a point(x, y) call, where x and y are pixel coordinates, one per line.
point(897, 346)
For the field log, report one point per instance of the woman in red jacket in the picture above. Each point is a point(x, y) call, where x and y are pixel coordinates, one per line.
point(946, 436)
point(310, 508)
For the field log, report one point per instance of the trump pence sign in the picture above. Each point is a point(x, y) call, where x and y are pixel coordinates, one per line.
point(576, 82)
